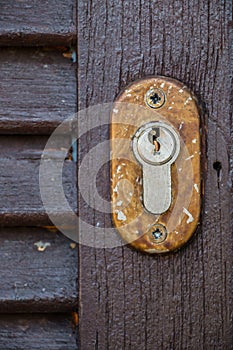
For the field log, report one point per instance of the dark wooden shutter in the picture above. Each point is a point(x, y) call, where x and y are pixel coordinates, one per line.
point(39, 266)
point(127, 300)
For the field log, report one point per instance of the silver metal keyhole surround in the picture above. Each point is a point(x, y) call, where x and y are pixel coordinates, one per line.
point(156, 146)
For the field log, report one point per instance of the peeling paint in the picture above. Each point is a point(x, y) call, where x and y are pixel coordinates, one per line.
point(192, 156)
point(187, 101)
point(115, 189)
point(121, 216)
point(194, 141)
point(118, 169)
point(196, 187)
point(181, 125)
point(190, 217)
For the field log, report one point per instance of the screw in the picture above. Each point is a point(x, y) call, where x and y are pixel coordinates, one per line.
point(155, 98)
point(158, 233)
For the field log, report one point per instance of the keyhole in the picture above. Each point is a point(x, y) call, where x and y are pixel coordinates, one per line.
point(156, 144)
point(153, 135)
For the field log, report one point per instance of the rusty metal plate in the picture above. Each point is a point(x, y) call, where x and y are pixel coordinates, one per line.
point(164, 102)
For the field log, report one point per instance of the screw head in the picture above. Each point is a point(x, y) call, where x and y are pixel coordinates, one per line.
point(155, 98)
point(158, 233)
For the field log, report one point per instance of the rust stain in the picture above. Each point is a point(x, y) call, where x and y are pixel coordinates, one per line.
point(75, 318)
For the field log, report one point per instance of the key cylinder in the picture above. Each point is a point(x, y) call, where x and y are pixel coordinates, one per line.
point(156, 146)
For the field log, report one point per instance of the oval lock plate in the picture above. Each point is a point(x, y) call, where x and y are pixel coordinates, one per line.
point(155, 168)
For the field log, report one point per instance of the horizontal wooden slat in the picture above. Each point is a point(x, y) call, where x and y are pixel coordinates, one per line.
point(20, 200)
point(37, 332)
point(31, 22)
point(37, 90)
point(38, 271)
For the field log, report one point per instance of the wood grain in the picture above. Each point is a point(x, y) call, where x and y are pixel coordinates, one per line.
point(38, 271)
point(38, 90)
point(33, 23)
point(181, 301)
point(37, 332)
point(20, 201)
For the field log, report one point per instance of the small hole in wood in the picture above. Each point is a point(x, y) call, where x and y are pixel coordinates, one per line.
point(218, 167)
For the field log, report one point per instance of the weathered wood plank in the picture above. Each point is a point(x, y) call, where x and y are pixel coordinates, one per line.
point(37, 332)
point(178, 301)
point(20, 200)
point(38, 271)
point(38, 90)
point(33, 23)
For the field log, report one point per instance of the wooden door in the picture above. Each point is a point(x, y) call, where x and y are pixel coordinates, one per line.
point(179, 301)
point(54, 295)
